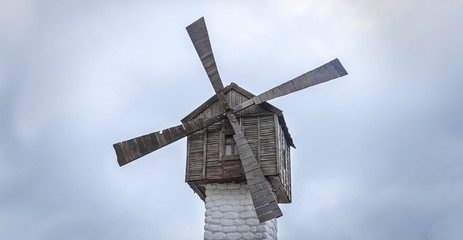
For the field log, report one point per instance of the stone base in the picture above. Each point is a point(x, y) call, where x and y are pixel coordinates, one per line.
point(230, 214)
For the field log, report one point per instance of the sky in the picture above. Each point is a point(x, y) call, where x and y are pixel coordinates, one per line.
point(379, 152)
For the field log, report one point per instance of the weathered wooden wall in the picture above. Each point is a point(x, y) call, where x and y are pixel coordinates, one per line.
point(284, 162)
point(206, 162)
point(195, 156)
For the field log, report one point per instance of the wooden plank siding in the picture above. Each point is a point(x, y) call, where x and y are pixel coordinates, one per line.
point(267, 138)
point(204, 160)
point(268, 151)
point(284, 164)
point(195, 156)
point(250, 129)
point(213, 163)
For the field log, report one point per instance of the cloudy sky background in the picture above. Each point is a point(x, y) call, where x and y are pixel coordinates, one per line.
point(379, 152)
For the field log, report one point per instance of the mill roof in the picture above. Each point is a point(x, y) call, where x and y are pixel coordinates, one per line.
point(267, 106)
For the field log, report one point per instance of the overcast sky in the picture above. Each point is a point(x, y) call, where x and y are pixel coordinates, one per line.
point(379, 152)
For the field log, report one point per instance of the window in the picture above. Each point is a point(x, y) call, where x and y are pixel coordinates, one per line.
point(230, 146)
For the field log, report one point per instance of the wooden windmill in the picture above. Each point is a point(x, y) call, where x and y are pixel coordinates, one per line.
point(235, 136)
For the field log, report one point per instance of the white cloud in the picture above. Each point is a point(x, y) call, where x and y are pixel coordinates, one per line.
point(294, 8)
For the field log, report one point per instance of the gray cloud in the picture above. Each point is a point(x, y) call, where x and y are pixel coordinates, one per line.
point(378, 152)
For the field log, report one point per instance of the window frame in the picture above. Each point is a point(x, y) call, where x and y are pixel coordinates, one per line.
point(234, 154)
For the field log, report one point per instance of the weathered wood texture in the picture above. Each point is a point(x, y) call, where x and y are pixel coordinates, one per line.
point(326, 72)
point(195, 156)
point(264, 201)
point(200, 38)
point(132, 149)
point(213, 165)
point(284, 162)
point(268, 156)
point(234, 95)
point(260, 132)
point(265, 133)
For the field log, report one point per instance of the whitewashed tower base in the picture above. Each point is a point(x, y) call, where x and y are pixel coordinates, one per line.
point(230, 214)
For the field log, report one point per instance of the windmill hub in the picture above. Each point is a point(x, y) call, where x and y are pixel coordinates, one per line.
point(235, 137)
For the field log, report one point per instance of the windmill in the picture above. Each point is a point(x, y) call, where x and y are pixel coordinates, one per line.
point(227, 113)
